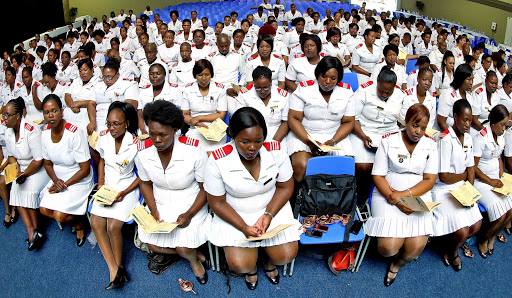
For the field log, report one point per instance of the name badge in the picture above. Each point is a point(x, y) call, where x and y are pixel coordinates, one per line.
point(465, 146)
point(266, 182)
point(380, 108)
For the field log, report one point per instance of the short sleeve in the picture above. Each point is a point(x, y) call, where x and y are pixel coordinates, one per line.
point(99, 146)
point(285, 166)
point(375, 73)
point(44, 150)
point(222, 102)
point(200, 164)
point(143, 174)
point(358, 100)
point(286, 109)
point(478, 145)
point(471, 158)
point(34, 143)
point(132, 92)
point(410, 81)
point(291, 73)
point(80, 146)
point(445, 155)
point(476, 105)
point(185, 103)
point(355, 58)
point(213, 182)
point(281, 74)
point(296, 101)
point(444, 108)
point(405, 107)
point(173, 77)
point(432, 165)
point(380, 166)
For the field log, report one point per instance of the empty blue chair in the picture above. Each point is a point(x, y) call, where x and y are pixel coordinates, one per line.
point(351, 79)
point(411, 66)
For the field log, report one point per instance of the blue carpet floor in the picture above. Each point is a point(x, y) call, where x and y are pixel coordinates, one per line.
point(61, 269)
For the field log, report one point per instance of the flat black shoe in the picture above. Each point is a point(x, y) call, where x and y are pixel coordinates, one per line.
point(458, 267)
point(251, 285)
point(446, 262)
point(37, 239)
point(80, 242)
point(481, 253)
point(14, 218)
point(388, 280)
point(119, 280)
point(273, 280)
point(8, 223)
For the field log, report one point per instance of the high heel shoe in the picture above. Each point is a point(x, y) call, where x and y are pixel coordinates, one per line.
point(273, 280)
point(36, 241)
point(204, 278)
point(81, 241)
point(14, 218)
point(481, 253)
point(251, 285)
point(446, 262)
point(388, 280)
point(508, 231)
point(457, 267)
point(119, 280)
point(8, 223)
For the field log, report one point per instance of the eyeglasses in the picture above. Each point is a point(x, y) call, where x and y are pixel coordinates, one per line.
point(262, 89)
point(114, 125)
point(7, 116)
point(109, 78)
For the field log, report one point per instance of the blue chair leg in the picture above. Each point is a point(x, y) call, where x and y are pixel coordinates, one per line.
point(210, 251)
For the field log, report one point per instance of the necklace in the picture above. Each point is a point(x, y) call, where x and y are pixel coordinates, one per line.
point(255, 165)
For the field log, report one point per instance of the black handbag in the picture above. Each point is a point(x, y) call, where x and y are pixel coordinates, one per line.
point(324, 194)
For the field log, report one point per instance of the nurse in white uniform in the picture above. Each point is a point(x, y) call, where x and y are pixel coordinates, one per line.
point(270, 100)
point(49, 84)
point(484, 99)
point(335, 47)
point(324, 110)
point(203, 102)
point(67, 162)
point(249, 183)
point(488, 145)
point(23, 142)
point(444, 77)
point(405, 166)
point(302, 68)
point(365, 56)
point(461, 88)
point(79, 93)
point(117, 147)
point(33, 106)
point(181, 72)
point(456, 166)
point(171, 170)
point(159, 89)
point(265, 57)
point(421, 94)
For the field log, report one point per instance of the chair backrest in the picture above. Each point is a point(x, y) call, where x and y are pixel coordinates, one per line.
point(331, 165)
point(351, 78)
point(411, 66)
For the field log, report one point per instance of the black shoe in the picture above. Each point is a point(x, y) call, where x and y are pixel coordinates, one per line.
point(8, 223)
point(490, 251)
point(251, 285)
point(36, 241)
point(446, 262)
point(508, 231)
point(119, 280)
point(388, 280)
point(458, 267)
point(14, 218)
point(204, 278)
point(481, 253)
point(81, 241)
point(273, 280)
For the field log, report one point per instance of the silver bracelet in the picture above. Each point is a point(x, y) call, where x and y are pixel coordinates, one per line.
point(269, 214)
point(333, 141)
point(410, 192)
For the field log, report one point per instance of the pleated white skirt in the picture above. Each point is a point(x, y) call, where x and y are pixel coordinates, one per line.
point(28, 194)
point(495, 204)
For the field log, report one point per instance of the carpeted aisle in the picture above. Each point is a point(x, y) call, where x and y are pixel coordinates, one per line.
point(61, 269)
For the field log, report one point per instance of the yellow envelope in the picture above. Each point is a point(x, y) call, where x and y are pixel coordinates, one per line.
point(324, 148)
point(148, 224)
point(432, 132)
point(417, 204)
point(11, 172)
point(105, 195)
point(467, 194)
point(506, 190)
point(269, 234)
point(93, 139)
point(143, 137)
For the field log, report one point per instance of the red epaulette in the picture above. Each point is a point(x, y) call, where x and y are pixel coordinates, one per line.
point(323, 55)
point(212, 54)
point(173, 85)
point(144, 144)
point(46, 127)
point(189, 84)
point(479, 90)
point(37, 83)
point(299, 55)
point(282, 92)
point(253, 57)
point(272, 145)
point(359, 45)
point(414, 71)
point(453, 93)
point(222, 152)
point(175, 64)
point(430, 137)
point(432, 93)
point(295, 46)
point(443, 134)
point(278, 57)
point(344, 85)
point(246, 44)
point(409, 91)
point(2, 122)
point(188, 141)
point(104, 132)
point(483, 132)
point(207, 44)
point(325, 42)
point(146, 87)
point(126, 79)
point(307, 83)
point(369, 83)
point(29, 127)
point(70, 127)
point(246, 89)
point(398, 87)
point(62, 83)
point(219, 85)
point(500, 87)
point(94, 65)
point(387, 135)
point(18, 84)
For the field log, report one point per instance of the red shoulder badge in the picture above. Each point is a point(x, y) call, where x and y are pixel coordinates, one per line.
point(29, 127)
point(398, 87)
point(479, 90)
point(444, 133)
point(299, 55)
point(483, 132)
point(46, 127)
point(70, 127)
point(144, 144)
point(246, 89)
point(344, 85)
point(219, 85)
point(189, 84)
point(222, 152)
point(37, 83)
point(430, 137)
point(62, 83)
point(146, 87)
point(272, 145)
point(408, 91)
point(212, 54)
point(18, 84)
point(188, 141)
point(432, 93)
point(278, 57)
point(175, 64)
point(454, 93)
point(389, 134)
point(369, 83)
point(253, 57)
point(307, 83)
point(282, 92)
point(173, 85)
point(414, 71)
point(104, 132)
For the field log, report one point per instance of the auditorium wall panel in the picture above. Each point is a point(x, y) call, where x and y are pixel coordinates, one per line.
point(474, 15)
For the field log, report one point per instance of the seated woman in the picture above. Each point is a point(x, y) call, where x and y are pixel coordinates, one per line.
point(324, 111)
point(203, 102)
point(264, 57)
point(454, 222)
point(171, 172)
point(67, 161)
point(302, 68)
point(23, 142)
point(485, 98)
point(460, 88)
point(270, 101)
point(32, 106)
point(117, 147)
point(159, 89)
point(249, 183)
point(403, 168)
point(445, 76)
point(335, 48)
point(365, 57)
point(68, 71)
point(487, 148)
point(49, 84)
point(200, 48)
point(421, 94)
point(375, 104)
